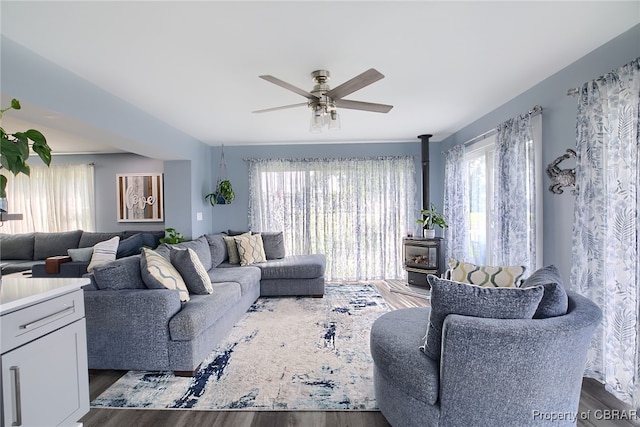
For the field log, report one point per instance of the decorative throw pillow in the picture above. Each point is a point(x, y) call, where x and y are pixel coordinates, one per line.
point(449, 297)
point(232, 249)
point(200, 246)
point(130, 246)
point(250, 249)
point(273, 242)
point(192, 270)
point(158, 273)
point(555, 300)
point(103, 253)
point(485, 275)
point(218, 249)
point(80, 254)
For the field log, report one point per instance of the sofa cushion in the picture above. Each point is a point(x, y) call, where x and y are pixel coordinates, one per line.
point(55, 244)
point(193, 273)
point(90, 238)
point(450, 297)
point(123, 273)
point(200, 246)
point(273, 242)
point(80, 254)
point(250, 249)
point(554, 300)
point(17, 246)
point(247, 277)
point(130, 246)
point(104, 252)
point(218, 249)
point(158, 273)
point(202, 312)
point(232, 249)
point(309, 266)
point(485, 275)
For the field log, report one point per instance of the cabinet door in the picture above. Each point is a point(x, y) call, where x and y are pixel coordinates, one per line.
point(45, 382)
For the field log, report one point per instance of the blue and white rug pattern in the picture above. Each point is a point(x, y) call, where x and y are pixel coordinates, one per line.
point(292, 353)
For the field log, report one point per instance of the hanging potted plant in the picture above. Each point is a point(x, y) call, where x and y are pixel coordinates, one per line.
point(15, 152)
point(430, 218)
point(223, 194)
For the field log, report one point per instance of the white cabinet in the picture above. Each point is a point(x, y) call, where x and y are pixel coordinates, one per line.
point(44, 357)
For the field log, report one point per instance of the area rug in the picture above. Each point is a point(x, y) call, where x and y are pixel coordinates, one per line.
point(291, 353)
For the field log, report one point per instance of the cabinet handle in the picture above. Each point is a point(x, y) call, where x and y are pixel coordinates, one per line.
point(49, 318)
point(16, 383)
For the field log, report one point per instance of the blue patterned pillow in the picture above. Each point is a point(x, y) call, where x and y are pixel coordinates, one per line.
point(449, 297)
point(158, 273)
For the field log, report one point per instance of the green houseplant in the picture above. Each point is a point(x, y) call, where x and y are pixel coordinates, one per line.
point(430, 218)
point(172, 237)
point(14, 149)
point(223, 195)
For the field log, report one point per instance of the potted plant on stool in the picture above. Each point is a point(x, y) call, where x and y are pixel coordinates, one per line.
point(430, 218)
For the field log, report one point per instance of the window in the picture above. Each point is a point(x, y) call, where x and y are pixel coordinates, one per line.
point(56, 198)
point(355, 211)
point(479, 159)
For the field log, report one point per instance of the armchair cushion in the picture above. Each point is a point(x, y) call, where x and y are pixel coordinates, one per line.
point(554, 301)
point(450, 297)
point(486, 275)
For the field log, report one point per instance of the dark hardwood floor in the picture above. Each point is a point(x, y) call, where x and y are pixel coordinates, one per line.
point(595, 401)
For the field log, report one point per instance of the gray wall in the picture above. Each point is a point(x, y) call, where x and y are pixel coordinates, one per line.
point(558, 134)
point(234, 216)
point(107, 166)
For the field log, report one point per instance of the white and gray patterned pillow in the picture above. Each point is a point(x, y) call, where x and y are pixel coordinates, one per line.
point(486, 275)
point(104, 252)
point(193, 272)
point(158, 273)
point(250, 249)
point(232, 248)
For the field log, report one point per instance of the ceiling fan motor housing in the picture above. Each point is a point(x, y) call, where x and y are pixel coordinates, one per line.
point(323, 103)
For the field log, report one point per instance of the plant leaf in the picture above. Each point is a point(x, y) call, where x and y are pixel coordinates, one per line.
point(15, 104)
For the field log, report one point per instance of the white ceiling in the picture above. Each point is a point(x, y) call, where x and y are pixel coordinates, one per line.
point(195, 65)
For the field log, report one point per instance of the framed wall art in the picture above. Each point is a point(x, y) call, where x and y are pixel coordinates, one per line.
point(140, 197)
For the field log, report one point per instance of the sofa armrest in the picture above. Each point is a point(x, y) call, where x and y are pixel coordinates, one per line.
point(129, 329)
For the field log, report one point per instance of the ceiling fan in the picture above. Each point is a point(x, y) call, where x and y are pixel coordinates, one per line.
point(324, 101)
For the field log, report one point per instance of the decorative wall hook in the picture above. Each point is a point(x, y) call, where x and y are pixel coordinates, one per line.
point(562, 177)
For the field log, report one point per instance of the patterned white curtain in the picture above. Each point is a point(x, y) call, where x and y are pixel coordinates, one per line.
point(605, 266)
point(55, 198)
point(456, 204)
point(514, 194)
point(355, 211)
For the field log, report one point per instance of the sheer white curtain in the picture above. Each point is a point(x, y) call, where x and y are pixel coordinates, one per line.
point(515, 218)
point(606, 235)
point(355, 211)
point(456, 204)
point(55, 198)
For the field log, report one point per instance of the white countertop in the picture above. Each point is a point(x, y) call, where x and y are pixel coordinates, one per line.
point(20, 292)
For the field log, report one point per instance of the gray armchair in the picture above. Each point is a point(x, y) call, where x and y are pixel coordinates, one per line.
point(492, 372)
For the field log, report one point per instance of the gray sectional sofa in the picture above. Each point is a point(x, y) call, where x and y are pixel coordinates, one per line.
point(132, 327)
point(28, 251)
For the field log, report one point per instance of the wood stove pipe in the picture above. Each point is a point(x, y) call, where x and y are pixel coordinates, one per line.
point(425, 169)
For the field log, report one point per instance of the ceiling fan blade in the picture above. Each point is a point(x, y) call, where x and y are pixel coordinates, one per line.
point(266, 110)
point(366, 106)
point(356, 83)
point(292, 88)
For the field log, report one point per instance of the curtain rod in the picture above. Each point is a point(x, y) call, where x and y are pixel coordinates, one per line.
point(534, 111)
